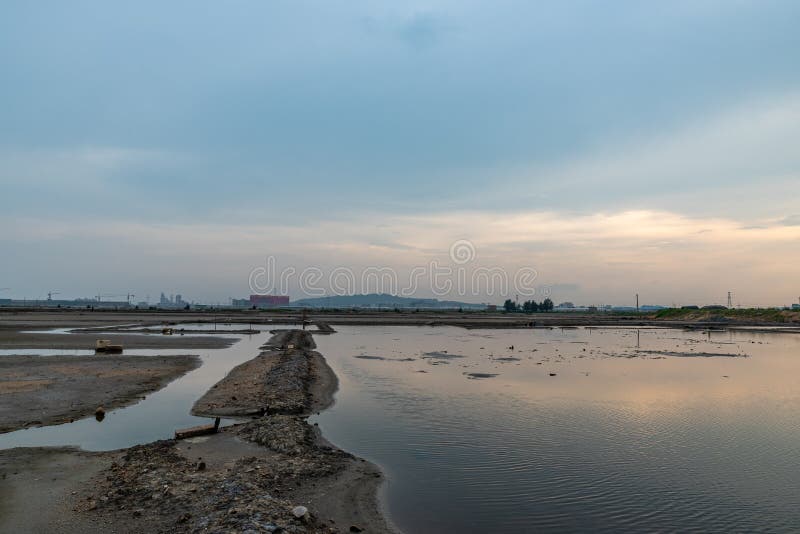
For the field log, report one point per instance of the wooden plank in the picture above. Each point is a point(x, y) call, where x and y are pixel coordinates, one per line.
point(201, 430)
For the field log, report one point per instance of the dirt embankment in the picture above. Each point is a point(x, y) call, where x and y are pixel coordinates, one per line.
point(274, 473)
point(49, 390)
point(754, 317)
point(41, 318)
point(276, 381)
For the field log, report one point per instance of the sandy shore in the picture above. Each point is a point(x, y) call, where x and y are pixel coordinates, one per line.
point(275, 473)
point(49, 390)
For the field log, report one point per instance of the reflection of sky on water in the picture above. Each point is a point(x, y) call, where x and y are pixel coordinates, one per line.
point(616, 439)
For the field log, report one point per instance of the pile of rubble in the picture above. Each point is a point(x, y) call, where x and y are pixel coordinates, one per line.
point(164, 491)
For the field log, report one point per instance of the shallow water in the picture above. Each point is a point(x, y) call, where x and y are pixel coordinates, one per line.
point(617, 439)
point(155, 417)
point(48, 352)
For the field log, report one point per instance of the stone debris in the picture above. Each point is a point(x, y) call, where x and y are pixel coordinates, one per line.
point(157, 488)
point(155, 481)
point(277, 381)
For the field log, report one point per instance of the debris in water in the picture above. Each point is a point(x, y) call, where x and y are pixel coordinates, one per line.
point(441, 355)
point(382, 358)
point(474, 376)
point(693, 354)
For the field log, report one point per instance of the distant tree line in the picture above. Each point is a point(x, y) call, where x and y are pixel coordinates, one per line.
point(529, 306)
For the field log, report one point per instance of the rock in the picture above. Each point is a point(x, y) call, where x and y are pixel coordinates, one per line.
point(354, 528)
point(552, 374)
point(100, 413)
point(201, 466)
point(300, 512)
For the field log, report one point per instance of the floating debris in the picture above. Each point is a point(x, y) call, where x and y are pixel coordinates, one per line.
point(440, 355)
point(476, 376)
point(383, 358)
point(694, 354)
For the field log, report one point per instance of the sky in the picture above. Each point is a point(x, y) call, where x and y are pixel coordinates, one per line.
point(603, 148)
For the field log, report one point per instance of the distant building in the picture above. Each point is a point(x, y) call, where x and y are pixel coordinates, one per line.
point(796, 306)
point(268, 301)
point(66, 303)
point(491, 307)
point(171, 302)
point(566, 305)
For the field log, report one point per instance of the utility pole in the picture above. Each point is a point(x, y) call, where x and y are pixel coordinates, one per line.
point(637, 302)
point(730, 304)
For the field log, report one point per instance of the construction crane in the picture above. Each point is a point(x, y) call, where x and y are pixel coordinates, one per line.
point(129, 296)
point(50, 294)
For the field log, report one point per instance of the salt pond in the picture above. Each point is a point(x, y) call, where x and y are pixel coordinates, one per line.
point(574, 429)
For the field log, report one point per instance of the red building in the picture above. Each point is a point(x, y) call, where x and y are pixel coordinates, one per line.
point(268, 301)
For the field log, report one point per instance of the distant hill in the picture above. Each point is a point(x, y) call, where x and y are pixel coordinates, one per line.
point(382, 300)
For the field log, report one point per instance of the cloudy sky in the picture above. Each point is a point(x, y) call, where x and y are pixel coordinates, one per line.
point(612, 147)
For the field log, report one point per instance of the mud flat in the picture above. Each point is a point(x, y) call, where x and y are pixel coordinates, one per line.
point(16, 339)
point(38, 318)
point(274, 473)
point(49, 390)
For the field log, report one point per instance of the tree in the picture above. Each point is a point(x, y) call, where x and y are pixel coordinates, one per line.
point(509, 305)
point(530, 306)
point(546, 305)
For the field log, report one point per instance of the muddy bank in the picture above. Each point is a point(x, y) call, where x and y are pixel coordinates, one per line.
point(176, 331)
point(39, 318)
point(15, 339)
point(278, 380)
point(274, 473)
point(48, 390)
point(38, 487)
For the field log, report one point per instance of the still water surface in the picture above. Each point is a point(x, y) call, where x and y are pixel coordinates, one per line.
point(654, 429)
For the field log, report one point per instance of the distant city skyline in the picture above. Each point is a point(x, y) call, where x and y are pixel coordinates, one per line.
point(177, 300)
point(615, 149)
